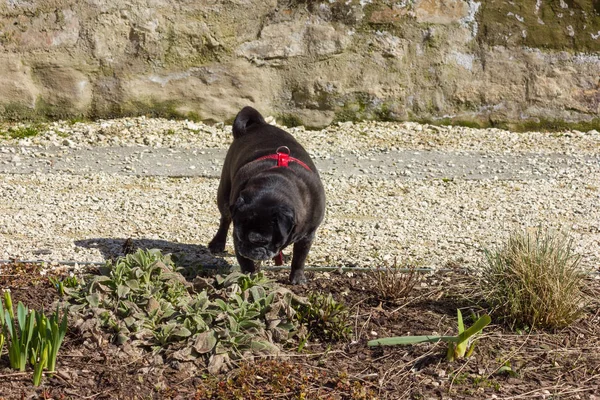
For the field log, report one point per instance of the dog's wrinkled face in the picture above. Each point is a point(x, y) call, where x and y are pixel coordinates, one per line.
point(261, 228)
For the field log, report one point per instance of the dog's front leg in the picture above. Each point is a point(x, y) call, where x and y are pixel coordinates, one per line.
point(217, 245)
point(301, 249)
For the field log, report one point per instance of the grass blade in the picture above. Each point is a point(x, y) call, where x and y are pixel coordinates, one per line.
point(461, 325)
point(22, 315)
point(39, 366)
point(393, 341)
point(481, 323)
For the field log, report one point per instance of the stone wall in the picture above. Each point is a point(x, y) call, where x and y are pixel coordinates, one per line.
point(306, 61)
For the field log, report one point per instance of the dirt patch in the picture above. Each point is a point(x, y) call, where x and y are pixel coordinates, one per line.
point(505, 363)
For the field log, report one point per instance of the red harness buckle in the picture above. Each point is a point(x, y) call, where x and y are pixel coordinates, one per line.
point(283, 156)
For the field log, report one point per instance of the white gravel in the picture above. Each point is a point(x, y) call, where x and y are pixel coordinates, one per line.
point(372, 218)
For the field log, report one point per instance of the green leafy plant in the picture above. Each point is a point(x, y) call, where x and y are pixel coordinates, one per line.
point(507, 368)
point(21, 132)
point(34, 338)
point(324, 317)
point(458, 346)
point(143, 298)
point(51, 332)
point(39, 353)
point(58, 284)
point(20, 339)
point(535, 280)
point(61, 284)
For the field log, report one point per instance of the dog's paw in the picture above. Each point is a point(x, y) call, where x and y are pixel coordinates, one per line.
point(297, 278)
point(216, 246)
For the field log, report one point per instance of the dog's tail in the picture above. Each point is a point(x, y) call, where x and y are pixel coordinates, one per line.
point(245, 119)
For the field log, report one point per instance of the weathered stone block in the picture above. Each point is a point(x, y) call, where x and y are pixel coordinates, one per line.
point(16, 84)
point(441, 11)
point(289, 39)
point(63, 90)
point(214, 92)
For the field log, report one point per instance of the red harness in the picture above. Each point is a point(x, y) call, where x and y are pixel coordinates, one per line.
point(283, 158)
point(282, 155)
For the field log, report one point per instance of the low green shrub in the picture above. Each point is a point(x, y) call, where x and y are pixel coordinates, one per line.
point(143, 298)
point(324, 318)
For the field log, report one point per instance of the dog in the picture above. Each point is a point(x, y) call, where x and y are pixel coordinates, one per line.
point(271, 190)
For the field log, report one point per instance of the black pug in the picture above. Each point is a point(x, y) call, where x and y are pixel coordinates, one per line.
point(272, 192)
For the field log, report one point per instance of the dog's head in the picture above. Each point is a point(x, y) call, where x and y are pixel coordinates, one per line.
point(262, 225)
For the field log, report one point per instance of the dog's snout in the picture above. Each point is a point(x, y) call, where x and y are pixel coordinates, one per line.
point(258, 239)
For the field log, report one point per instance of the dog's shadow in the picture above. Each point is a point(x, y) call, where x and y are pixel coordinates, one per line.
point(185, 255)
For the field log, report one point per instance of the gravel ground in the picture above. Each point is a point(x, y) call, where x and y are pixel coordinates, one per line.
point(431, 195)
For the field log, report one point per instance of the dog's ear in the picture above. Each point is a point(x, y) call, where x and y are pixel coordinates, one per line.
point(239, 203)
point(245, 119)
point(286, 220)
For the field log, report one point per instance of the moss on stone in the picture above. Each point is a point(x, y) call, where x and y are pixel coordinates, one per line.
point(363, 106)
point(384, 113)
point(468, 123)
point(350, 111)
point(532, 125)
point(19, 112)
point(154, 108)
point(53, 111)
point(548, 125)
point(42, 112)
point(547, 24)
point(193, 116)
point(289, 120)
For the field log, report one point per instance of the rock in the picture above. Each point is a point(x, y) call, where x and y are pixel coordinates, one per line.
point(214, 93)
point(389, 15)
point(391, 45)
point(109, 39)
point(441, 11)
point(295, 38)
point(281, 40)
point(315, 118)
point(17, 88)
point(65, 90)
point(39, 27)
